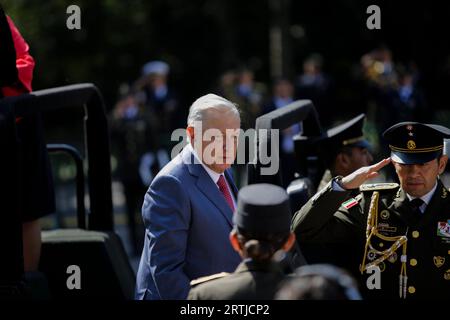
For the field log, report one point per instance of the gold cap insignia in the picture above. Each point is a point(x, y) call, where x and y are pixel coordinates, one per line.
point(411, 145)
point(438, 261)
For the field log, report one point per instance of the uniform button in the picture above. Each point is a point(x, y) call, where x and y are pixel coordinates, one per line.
point(411, 289)
point(381, 244)
point(415, 234)
point(413, 262)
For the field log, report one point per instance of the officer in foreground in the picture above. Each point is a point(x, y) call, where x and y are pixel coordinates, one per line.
point(261, 234)
point(403, 230)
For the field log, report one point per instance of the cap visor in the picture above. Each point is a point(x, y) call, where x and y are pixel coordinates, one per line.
point(414, 158)
point(362, 144)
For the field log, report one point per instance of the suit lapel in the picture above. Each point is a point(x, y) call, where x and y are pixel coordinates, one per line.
point(230, 181)
point(207, 186)
point(212, 192)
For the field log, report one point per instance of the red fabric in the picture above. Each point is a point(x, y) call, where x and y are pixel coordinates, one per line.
point(24, 64)
point(223, 187)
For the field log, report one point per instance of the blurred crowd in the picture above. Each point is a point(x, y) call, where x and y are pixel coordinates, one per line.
point(150, 108)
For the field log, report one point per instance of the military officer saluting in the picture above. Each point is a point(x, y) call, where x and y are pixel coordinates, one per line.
point(404, 230)
point(261, 229)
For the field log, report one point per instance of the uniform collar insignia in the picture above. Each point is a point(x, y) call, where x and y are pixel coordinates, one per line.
point(444, 193)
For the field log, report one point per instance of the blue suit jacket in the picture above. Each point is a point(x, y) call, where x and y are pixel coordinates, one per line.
point(187, 222)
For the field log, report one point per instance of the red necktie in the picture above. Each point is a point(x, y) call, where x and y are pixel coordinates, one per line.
point(226, 193)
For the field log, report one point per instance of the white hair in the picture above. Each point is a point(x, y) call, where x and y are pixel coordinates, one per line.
point(208, 102)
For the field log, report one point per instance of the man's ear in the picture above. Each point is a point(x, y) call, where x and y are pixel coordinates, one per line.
point(342, 162)
point(235, 242)
point(442, 163)
point(289, 242)
point(190, 133)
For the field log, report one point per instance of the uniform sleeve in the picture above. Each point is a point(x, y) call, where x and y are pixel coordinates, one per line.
point(166, 213)
point(322, 219)
point(24, 63)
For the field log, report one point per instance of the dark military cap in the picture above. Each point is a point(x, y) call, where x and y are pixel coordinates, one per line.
point(348, 134)
point(263, 208)
point(414, 142)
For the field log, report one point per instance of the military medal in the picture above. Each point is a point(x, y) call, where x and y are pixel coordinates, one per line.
point(384, 214)
point(438, 261)
point(371, 255)
point(443, 229)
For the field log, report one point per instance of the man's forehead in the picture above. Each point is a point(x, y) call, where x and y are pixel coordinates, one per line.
point(222, 131)
point(414, 164)
point(219, 112)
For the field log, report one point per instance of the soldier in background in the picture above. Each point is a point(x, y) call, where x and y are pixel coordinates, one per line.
point(249, 95)
point(344, 150)
point(283, 95)
point(130, 135)
point(160, 103)
point(314, 84)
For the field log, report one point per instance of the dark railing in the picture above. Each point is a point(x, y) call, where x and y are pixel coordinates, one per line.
point(99, 172)
point(77, 158)
point(96, 135)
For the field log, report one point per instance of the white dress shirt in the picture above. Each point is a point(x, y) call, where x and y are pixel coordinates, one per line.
point(426, 198)
point(214, 175)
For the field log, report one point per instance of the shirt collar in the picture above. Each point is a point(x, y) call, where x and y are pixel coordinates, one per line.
point(426, 198)
point(214, 175)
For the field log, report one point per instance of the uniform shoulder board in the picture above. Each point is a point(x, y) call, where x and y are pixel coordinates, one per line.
point(378, 187)
point(208, 278)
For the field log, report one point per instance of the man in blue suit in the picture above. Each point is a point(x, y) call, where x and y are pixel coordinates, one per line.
point(189, 206)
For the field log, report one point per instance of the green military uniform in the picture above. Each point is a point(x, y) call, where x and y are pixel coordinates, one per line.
point(340, 218)
point(250, 281)
point(326, 178)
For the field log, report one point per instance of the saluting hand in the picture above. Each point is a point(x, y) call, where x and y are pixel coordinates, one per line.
point(358, 177)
